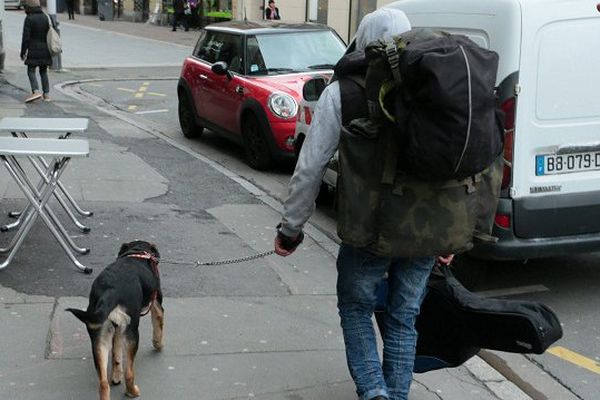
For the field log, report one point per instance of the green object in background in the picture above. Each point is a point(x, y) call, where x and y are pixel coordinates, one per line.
point(219, 14)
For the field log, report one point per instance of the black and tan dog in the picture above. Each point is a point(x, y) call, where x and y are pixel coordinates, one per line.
point(127, 289)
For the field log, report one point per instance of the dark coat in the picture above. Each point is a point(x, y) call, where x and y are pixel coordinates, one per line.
point(268, 12)
point(34, 47)
point(179, 6)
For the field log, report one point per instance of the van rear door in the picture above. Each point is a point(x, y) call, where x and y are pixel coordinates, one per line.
point(556, 161)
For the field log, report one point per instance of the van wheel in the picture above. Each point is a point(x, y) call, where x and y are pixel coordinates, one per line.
point(258, 155)
point(187, 120)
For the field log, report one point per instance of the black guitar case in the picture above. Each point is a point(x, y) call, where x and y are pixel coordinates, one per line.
point(454, 324)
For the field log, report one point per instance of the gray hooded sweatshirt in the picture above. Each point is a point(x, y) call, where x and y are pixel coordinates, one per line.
point(323, 136)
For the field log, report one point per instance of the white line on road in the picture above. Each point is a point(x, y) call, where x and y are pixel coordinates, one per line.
point(152, 111)
point(513, 291)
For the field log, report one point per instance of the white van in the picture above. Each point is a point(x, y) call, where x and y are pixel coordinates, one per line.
point(549, 80)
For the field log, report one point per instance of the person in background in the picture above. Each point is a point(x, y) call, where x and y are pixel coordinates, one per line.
point(71, 8)
point(179, 7)
point(272, 12)
point(34, 49)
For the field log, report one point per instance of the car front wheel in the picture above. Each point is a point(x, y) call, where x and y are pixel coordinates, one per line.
point(187, 120)
point(258, 155)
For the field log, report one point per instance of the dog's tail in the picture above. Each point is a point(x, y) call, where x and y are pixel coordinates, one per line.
point(82, 315)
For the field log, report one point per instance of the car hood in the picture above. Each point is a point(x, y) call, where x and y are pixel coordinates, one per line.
point(291, 84)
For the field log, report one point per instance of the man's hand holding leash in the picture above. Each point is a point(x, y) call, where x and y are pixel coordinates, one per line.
point(286, 245)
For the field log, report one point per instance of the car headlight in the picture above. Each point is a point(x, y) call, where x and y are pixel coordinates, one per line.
point(283, 105)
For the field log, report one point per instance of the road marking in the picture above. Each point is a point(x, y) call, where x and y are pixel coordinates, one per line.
point(151, 112)
point(126, 90)
point(157, 94)
point(575, 358)
point(513, 291)
point(94, 84)
point(141, 90)
point(132, 107)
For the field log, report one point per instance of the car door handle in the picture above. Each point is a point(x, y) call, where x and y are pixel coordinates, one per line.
point(203, 77)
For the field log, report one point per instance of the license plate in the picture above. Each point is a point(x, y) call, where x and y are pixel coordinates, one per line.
point(552, 164)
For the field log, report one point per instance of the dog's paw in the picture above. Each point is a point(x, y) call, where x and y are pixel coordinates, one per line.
point(158, 345)
point(134, 392)
point(115, 382)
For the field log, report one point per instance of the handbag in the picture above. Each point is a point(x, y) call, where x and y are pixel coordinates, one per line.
point(53, 39)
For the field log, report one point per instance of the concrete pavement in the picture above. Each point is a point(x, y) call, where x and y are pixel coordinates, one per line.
point(265, 329)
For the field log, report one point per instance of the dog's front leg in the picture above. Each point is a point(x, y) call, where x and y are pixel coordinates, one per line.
point(158, 323)
point(132, 341)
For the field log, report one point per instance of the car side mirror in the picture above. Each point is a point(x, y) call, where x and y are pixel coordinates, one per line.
point(312, 89)
point(221, 68)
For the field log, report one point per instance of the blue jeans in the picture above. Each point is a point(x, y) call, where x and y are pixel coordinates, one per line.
point(359, 275)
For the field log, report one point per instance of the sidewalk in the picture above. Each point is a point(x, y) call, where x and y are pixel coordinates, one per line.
point(266, 329)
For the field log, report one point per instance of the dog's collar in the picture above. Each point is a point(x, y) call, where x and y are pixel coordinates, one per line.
point(154, 263)
point(150, 257)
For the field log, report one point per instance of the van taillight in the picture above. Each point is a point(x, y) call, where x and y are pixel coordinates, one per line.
point(509, 138)
point(502, 220)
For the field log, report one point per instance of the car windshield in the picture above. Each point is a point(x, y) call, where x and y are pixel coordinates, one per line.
point(293, 52)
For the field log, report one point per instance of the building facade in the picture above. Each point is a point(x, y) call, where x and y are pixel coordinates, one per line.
point(342, 15)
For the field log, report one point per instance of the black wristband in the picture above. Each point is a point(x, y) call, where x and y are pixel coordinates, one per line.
point(287, 242)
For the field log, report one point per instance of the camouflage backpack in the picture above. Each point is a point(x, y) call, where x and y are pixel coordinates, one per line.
point(383, 205)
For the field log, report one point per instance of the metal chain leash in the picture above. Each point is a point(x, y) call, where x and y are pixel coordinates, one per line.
point(220, 262)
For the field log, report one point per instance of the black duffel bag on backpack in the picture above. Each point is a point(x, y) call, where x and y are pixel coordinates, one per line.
point(439, 91)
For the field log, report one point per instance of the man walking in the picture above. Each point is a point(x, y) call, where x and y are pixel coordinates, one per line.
point(360, 270)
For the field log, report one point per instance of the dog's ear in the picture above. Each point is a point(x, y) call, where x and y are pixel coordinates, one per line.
point(124, 248)
point(80, 314)
point(154, 250)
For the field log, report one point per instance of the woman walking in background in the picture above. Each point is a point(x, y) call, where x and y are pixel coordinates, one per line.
point(71, 8)
point(272, 12)
point(34, 49)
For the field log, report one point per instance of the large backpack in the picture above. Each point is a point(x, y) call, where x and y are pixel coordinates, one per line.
point(420, 167)
point(438, 90)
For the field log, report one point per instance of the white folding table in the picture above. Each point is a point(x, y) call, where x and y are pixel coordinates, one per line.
point(60, 128)
point(60, 151)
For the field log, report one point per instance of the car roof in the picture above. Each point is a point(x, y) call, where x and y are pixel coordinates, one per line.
point(261, 27)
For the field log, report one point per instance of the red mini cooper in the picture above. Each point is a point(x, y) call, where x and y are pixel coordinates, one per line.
point(244, 80)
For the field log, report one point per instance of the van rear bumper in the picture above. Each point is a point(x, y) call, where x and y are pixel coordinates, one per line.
point(521, 249)
point(511, 247)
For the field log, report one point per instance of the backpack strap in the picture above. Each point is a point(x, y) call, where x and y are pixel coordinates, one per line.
point(393, 58)
point(354, 101)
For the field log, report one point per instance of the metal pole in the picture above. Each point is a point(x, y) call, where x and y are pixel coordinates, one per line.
point(2, 52)
point(56, 60)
